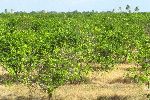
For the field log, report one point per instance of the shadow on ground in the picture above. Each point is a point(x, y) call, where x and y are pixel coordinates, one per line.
point(115, 97)
point(6, 78)
point(121, 97)
point(121, 80)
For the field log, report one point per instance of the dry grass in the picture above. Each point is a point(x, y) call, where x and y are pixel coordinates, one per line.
point(112, 85)
point(19, 91)
point(103, 85)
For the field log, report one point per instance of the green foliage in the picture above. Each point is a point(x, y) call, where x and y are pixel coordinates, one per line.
point(57, 48)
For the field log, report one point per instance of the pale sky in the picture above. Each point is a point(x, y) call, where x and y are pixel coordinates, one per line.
point(72, 5)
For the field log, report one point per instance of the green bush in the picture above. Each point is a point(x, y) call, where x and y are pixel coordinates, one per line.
point(56, 48)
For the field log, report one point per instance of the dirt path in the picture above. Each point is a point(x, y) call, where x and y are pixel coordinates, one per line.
point(110, 85)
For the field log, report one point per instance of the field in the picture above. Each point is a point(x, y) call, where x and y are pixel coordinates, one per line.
point(92, 55)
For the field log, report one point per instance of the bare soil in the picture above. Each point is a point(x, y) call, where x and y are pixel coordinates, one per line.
point(111, 85)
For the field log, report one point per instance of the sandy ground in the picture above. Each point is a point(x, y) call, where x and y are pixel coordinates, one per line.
point(110, 85)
